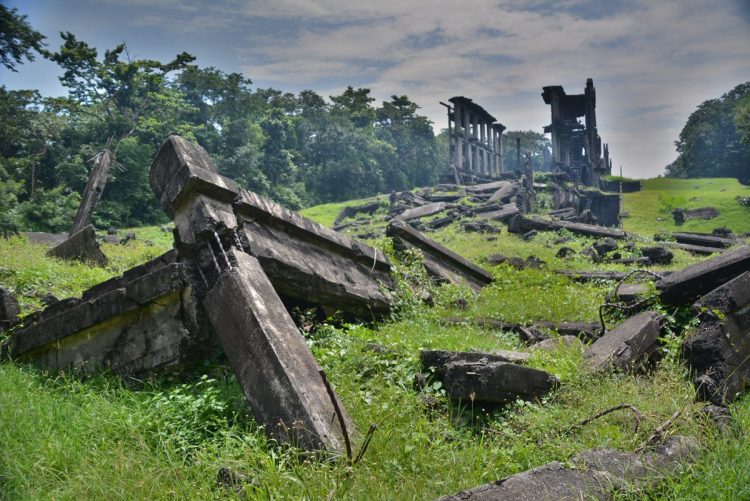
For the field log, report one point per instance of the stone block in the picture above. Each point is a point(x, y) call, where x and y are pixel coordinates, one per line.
point(626, 347)
point(80, 246)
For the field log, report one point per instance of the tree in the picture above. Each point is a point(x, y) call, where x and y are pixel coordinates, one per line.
point(531, 142)
point(710, 144)
point(18, 40)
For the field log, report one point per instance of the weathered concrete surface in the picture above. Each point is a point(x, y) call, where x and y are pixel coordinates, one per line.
point(703, 240)
point(503, 214)
point(94, 188)
point(506, 192)
point(353, 210)
point(627, 346)
point(521, 224)
point(9, 310)
point(487, 187)
point(631, 292)
point(487, 377)
point(270, 358)
point(718, 350)
point(423, 211)
point(696, 249)
point(533, 333)
point(685, 286)
point(440, 263)
point(597, 474)
point(440, 359)
point(304, 260)
point(555, 343)
point(81, 246)
point(133, 324)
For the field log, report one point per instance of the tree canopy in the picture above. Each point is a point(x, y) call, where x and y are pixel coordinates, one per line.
point(715, 141)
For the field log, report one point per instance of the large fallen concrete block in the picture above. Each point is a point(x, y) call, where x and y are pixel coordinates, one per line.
point(423, 211)
point(506, 192)
point(144, 320)
point(521, 224)
point(353, 210)
point(718, 350)
point(596, 474)
point(685, 286)
point(503, 214)
point(304, 260)
point(492, 378)
point(441, 263)
point(627, 346)
point(696, 249)
point(80, 246)
point(270, 358)
point(703, 240)
point(488, 187)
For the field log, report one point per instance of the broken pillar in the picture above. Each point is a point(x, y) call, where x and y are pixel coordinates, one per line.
point(94, 188)
point(269, 356)
point(628, 346)
point(304, 260)
point(80, 246)
point(439, 360)
point(684, 286)
point(423, 211)
point(703, 240)
point(440, 263)
point(521, 224)
point(718, 349)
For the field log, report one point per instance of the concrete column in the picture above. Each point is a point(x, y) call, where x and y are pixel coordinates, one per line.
point(459, 140)
point(469, 143)
point(483, 152)
point(475, 132)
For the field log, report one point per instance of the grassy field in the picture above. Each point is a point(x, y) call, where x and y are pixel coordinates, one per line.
point(63, 437)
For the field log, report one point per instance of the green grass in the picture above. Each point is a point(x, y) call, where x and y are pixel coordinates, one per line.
point(651, 208)
point(166, 437)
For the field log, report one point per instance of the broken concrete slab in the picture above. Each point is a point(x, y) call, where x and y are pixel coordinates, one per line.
point(506, 192)
point(304, 260)
point(597, 474)
point(703, 240)
point(628, 346)
point(505, 213)
point(487, 187)
point(682, 215)
point(495, 382)
point(480, 227)
point(658, 254)
point(685, 286)
point(81, 246)
point(353, 210)
point(144, 320)
point(521, 224)
point(696, 249)
point(440, 359)
point(440, 262)
point(630, 292)
point(555, 343)
point(9, 310)
point(270, 358)
point(422, 211)
point(718, 350)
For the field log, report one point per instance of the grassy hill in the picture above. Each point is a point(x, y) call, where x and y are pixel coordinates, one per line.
point(66, 437)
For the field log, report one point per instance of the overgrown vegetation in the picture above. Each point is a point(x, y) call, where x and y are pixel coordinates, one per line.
point(63, 436)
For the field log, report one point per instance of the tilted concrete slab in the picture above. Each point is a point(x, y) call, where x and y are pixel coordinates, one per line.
point(684, 286)
point(440, 262)
point(80, 246)
point(718, 350)
point(142, 321)
point(521, 224)
point(423, 211)
point(304, 260)
point(270, 358)
point(627, 346)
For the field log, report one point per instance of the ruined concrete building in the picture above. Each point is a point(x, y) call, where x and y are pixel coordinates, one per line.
point(475, 141)
point(576, 147)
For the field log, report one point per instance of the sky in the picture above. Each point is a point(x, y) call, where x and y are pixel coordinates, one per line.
point(653, 62)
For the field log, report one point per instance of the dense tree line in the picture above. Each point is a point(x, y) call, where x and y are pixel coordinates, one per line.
point(715, 141)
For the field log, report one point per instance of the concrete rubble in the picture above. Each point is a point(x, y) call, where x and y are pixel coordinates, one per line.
point(595, 474)
point(628, 346)
point(9, 310)
point(440, 263)
point(488, 378)
point(80, 246)
point(684, 286)
point(718, 349)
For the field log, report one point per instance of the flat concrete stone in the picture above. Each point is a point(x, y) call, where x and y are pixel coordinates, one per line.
point(495, 382)
point(487, 187)
point(718, 350)
point(270, 358)
point(81, 246)
point(503, 214)
point(521, 224)
point(440, 262)
point(703, 240)
point(696, 249)
point(631, 292)
point(597, 474)
point(555, 343)
point(440, 359)
point(685, 286)
point(627, 346)
point(423, 211)
point(505, 193)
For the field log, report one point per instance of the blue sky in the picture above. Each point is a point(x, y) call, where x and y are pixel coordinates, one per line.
point(652, 62)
